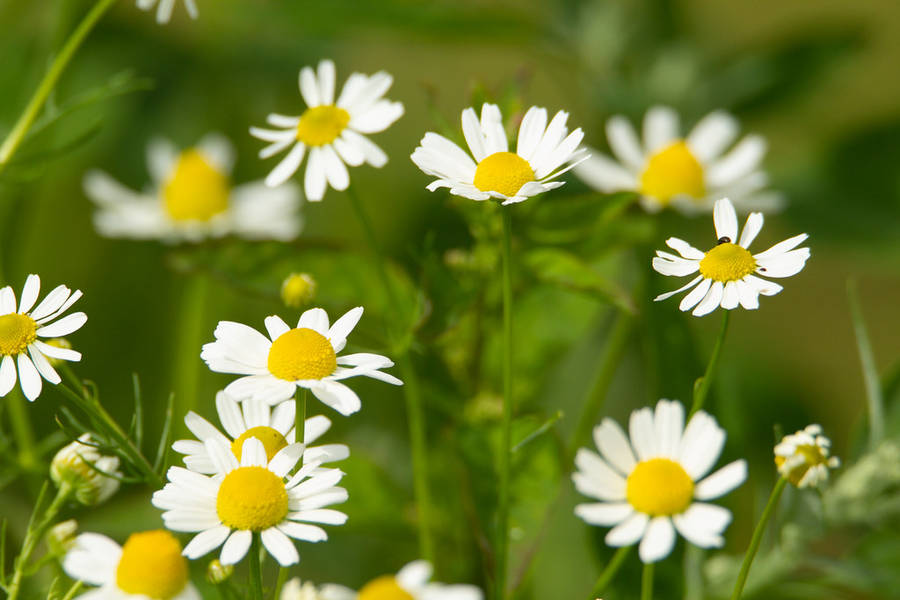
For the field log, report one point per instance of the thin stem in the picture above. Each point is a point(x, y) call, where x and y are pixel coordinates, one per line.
point(609, 572)
point(702, 385)
point(279, 583)
point(757, 538)
point(874, 393)
point(300, 415)
point(189, 337)
point(647, 582)
point(22, 430)
point(506, 431)
point(256, 589)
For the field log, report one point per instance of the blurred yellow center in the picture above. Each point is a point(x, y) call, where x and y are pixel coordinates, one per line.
point(659, 486)
point(301, 354)
point(383, 588)
point(16, 332)
point(196, 191)
point(252, 498)
point(152, 566)
point(503, 172)
point(321, 125)
point(812, 456)
point(298, 289)
point(727, 262)
point(271, 439)
point(673, 171)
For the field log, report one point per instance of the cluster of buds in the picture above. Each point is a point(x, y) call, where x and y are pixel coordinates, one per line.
point(92, 476)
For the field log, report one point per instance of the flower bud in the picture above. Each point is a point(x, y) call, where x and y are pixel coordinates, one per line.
point(803, 457)
point(217, 573)
point(61, 536)
point(81, 466)
point(298, 290)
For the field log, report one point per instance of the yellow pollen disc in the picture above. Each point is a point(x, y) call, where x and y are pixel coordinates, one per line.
point(727, 262)
point(252, 498)
point(271, 439)
point(16, 332)
point(301, 354)
point(383, 588)
point(321, 125)
point(503, 172)
point(196, 191)
point(812, 456)
point(659, 486)
point(152, 566)
point(673, 171)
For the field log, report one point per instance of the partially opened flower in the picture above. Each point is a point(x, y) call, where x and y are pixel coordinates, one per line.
point(412, 582)
point(332, 130)
point(252, 496)
point(543, 153)
point(21, 329)
point(92, 477)
point(728, 272)
point(687, 172)
point(293, 590)
point(192, 198)
point(804, 457)
point(164, 8)
point(657, 483)
point(305, 356)
point(149, 565)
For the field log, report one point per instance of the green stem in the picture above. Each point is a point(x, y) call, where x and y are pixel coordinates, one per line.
point(255, 557)
point(609, 572)
point(693, 577)
point(300, 415)
point(279, 583)
point(647, 582)
point(22, 430)
point(874, 393)
point(189, 338)
point(702, 385)
point(20, 129)
point(757, 538)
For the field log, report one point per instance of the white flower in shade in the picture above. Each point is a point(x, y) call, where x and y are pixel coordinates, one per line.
point(306, 356)
point(542, 152)
point(253, 496)
point(657, 483)
point(728, 272)
point(293, 590)
point(410, 583)
point(803, 457)
point(164, 8)
point(333, 131)
point(21, 330)
point(93, 477)
point(254, 418)
point(192, 198)
point(689, 173)
point(149, 565)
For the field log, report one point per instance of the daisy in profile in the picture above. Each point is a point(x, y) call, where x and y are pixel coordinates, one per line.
point(542, 152)
point(333, 131)
point(21, 330)
point(410, 583)
point(687, 172)
point(191, 198)
point(149, 565)
point(164, 8)
point(305, 356)
point(804, 457)
point(254, 418)
point(248, 497)
point(657, 483)
point(728, 272)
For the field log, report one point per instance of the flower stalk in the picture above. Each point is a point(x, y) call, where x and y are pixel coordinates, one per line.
point(702, 385)
point(757, 538)
point(506, 431)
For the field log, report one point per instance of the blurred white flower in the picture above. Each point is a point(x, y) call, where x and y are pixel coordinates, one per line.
point(80, 465)
point(165, 7)
point(803, 457)
point(410, 583)
point(293, 590)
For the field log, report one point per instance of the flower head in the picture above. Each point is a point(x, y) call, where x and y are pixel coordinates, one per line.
point(542, 152)
point(93, 476)
point(803, 457)
point(728, 272)
point(217, 573)
point(410, 583)
point(298, 290)
point(293, 590)
point(657, 483)
point(165, 8)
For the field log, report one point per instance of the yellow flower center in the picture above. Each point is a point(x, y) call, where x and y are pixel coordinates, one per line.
point(673, 171)
point(251, 498)
point(298, 289)
point(321, 125)
point(152, 565)
point(503, 172)
point(812, 456)
point(271, 439)
point(196, 191)
point(383, 588)
point(16, 332)
point(659, 486)
point(301, 354)
point(727, 262)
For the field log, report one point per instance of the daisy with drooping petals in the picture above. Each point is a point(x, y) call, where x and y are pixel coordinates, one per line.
point(305, 356)
point(250, 497)
point(542, 151)
point(333, 130)
point(728, 271)
point(192, 199)
point(656, 484)
point(689, 173)
point(165, 8)
point(410, 583)
point(149, 565)
point(803, 457)
point(20, 330)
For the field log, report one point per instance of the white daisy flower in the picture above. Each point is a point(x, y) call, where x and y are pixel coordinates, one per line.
point(656, 484)
point(191, 198)
point(305, 356)
point(410, 583)
point(728, 270)
point(254, 418)
point(149, 565)
point(542, 151)
point(690, 172)
point(334, 131)
point(20, 332)
point(164, 8)
point(249, 497)
point(803, 457)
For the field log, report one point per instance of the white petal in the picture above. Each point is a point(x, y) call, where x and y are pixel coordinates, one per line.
point(285, 169)
point(701, 445)
point(629, 531)
point(236, 547)
point(253, 453)
point(206, 541)
point(603, 174)
point(315, 319)
point(474, 136)
point(65, 326)
point(604, 514)
point(766, 288)
point(335, 170)
point(730, 295)
point(658, 540)
point(299, 531)
point(695, 295)
point(785, 265)
point(530, 131)
point(660, 128)
point(691, 283)
point(415, 574)
point(712, 135)
point(326, 81)
point(492, 128)
point(643, 436)
point(725, 220)
point(315, 180)
point(623, 142)
point(285, 459)
point(343, 326)
point(751, 229)
point(275, 326)
point(674, 266)
point(30, 293)
point(595, 478)
point(7, 375)
point(722, 481)
point(43, 365)
point(29, 378)
point(702, 524)
point(711, 301)
point(309, 87)
point(684, 249)
point(743, 159)
point(614, 446)
point(782, 247)
point(749, 296)
point(338, 396)
point(280, 546)
point(668, 422)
